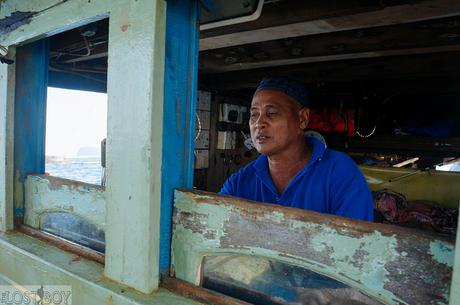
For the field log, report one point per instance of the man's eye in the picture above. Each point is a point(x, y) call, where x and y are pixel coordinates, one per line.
point(253, 115)
point(272, 113)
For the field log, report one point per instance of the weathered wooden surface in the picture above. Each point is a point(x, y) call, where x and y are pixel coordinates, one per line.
point(198, 294)
point(391, 264)
point(47, 194)
point(63, 245)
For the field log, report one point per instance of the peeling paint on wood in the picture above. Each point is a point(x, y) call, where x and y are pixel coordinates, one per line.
point(14, 21)
point(45, 194)
point(394, 265)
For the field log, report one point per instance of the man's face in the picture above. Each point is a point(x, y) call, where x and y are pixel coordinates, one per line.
point(277, 122)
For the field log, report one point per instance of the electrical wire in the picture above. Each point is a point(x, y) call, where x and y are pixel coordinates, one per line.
point(72, 49)
point(366, 135)
point(199, 126)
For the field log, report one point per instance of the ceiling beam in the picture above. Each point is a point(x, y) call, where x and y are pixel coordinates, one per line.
point(439, 35)
point(347, 56)
point(418, 11)
point(382, 69)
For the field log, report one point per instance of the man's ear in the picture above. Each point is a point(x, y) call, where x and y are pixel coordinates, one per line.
point(304, 116)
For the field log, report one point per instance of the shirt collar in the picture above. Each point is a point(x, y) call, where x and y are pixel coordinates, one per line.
point(261, 163)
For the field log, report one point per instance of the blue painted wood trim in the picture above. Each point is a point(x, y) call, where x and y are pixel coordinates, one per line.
point(181, 75)
point(29, 115)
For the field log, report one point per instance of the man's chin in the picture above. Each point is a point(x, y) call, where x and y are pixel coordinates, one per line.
point(263, 150)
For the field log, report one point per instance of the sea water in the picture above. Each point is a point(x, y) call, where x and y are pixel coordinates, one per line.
point(84, 169)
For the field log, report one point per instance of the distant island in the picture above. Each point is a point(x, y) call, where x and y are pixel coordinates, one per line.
point(89, 151)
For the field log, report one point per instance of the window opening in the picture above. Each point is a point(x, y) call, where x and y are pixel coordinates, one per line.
point(76, 125)
point(68, 200)
point(76, 120)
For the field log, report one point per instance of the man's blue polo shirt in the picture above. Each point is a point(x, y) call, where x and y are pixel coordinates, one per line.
point(330, 183)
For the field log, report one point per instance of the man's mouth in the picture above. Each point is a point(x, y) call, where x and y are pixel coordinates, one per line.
point(262, 139)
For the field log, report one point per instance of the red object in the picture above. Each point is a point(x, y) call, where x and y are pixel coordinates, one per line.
point(332, 120)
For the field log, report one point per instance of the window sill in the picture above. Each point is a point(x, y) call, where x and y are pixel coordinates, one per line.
point(29, 261)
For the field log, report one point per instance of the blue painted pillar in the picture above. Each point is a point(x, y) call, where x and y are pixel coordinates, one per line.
point(29, 116)
point(181, 74)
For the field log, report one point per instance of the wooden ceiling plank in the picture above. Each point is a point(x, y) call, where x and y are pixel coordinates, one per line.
point(384, 70)
point(424, 10)
point(316, 59)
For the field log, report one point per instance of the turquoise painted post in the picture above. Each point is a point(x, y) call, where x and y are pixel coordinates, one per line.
point(29, 116)
point(181, 74)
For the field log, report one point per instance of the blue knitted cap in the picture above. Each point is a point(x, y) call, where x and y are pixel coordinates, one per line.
point(293, 88)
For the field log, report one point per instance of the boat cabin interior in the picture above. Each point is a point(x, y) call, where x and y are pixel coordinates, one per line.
point(382, 79)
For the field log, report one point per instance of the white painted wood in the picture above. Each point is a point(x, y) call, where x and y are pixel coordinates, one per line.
point(7, 81)
point(134, 142)
point(56, 19)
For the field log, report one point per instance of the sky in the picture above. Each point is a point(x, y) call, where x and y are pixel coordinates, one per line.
point(74, 119)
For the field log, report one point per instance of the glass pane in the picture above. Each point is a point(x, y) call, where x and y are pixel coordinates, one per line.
point(263, 281)
point(75, 229)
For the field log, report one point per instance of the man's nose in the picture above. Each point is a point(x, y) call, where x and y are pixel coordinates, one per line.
point(261, 122)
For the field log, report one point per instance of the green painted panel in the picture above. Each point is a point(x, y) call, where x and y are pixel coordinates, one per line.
point(438, 186)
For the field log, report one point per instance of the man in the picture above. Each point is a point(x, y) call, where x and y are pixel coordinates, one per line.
point(292, 170)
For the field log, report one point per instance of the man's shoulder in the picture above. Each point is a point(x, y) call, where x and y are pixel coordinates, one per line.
point(339, 160)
